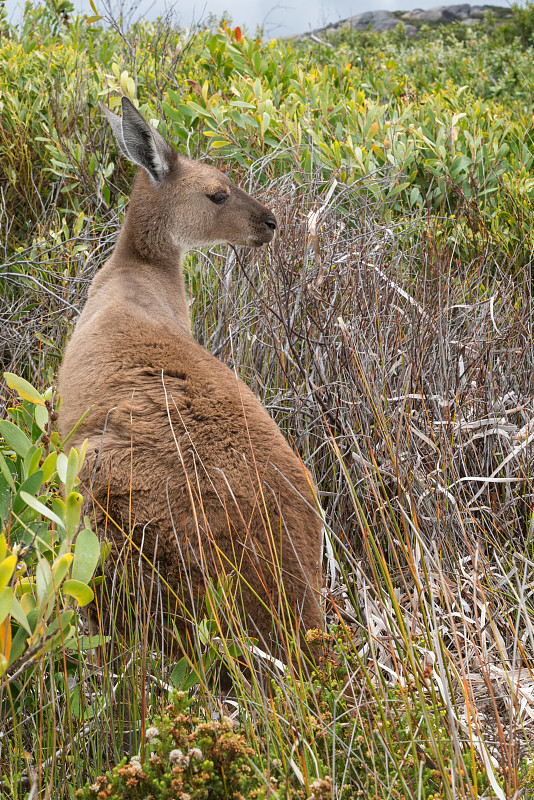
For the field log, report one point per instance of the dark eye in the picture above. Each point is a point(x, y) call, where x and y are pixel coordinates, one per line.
point(218, 197)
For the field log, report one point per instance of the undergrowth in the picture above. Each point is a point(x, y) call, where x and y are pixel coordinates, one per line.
point(388, 330)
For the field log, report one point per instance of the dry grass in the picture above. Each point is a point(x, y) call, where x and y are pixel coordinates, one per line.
point(405, 380)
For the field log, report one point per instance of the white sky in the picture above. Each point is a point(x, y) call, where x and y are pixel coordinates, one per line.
point(279, 17)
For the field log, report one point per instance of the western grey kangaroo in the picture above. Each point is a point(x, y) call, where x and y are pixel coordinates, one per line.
point(182, 457)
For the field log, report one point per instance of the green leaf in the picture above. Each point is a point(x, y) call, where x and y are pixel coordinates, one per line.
point(6, 601)
point(29, 488)
point(18, 614)
point(72, 469)
point(86, 556)
point(32, 459)
point(183, 676)
point(14, 437)
point(179, 673)
point(60, 568)
point(24, 389)
point(61, 466)
point(7, 568)
point(73, 511)
point(3, 547)
point(43, 580)
point(49, 466)
point(81, 592)
point(18, 645)
point(5, 503)
point(61, 623)
point(41, 508)
point(6, 472)
point(105, 190)
point(41, 417)
point(88, 642)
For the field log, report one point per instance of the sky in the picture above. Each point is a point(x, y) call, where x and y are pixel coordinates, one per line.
point(278, 17)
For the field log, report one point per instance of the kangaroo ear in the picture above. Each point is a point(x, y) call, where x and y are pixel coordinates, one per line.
point(140, 142)
point(116, 126)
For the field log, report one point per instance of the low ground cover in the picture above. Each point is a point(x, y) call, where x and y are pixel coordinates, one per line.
point(389, 332)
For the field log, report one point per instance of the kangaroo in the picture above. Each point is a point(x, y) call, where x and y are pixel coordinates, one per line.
point(181, 454)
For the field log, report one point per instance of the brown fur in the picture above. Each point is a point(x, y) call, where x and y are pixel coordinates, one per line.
point(189, 454)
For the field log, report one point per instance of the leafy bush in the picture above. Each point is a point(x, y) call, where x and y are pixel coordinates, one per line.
point(392, 343)
point(47, 557)
point(184, 757)
point(417, 111)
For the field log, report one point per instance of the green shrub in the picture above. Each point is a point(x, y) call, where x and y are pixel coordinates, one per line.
point(47, 555)
point(184, 757)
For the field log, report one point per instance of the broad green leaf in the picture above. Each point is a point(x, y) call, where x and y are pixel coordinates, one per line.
point(17, 612)
point(18, 645)
point(60, 623)
point(28, 603)
point(60, 568)
point(14, 437)
point(24, 389)
point(81, 592)
point(5, 505)
point(86, 556)
point(49, 466)
point(183, 676)
point(7, 568)
point(72, 469)
point(59, 631)
point(61, 466)
point(3, 664)
point(31, 462)
point(179, 673)
point(25, 585)
point(29, 488)
point(6, 472)
point(41, 417)
point(3, 547)
point(79, 707)
point(58, 506)
point(41, 508)
point(88, 642)
point(73, 512)
point(43, 579)
point(6, 601)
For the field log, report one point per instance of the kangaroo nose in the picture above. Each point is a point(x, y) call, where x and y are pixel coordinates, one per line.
point(271, 223)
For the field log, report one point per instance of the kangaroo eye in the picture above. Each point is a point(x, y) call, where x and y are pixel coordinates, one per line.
point(218, 197)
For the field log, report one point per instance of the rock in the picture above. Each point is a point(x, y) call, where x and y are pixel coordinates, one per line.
point(440, 13)
point(381, 21)
point(376, 20)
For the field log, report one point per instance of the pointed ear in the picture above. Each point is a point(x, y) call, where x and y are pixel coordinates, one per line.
point(140, 142)
point(116, 126)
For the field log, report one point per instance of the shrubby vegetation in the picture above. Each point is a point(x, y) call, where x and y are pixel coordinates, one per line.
point(388, 330)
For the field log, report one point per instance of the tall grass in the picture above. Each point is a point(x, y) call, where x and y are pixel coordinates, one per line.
point(399, 363)
point(404, 380)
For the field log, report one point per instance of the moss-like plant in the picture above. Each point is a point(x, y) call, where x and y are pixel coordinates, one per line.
point(183, 757)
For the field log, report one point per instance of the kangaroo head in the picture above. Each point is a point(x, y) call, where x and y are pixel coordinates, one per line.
point(192, 203)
